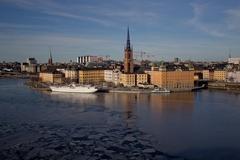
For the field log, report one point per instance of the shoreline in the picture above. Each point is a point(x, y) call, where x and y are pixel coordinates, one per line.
point(220, 86)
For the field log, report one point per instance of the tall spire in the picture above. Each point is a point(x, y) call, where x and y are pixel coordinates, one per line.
point(50, 61)
point(128, 46)
point(50, 53)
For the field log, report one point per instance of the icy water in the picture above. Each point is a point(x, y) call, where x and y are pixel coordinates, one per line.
point(43, 125)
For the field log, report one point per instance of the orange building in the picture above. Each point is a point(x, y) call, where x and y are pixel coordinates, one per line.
point(173, 79)
point(91, 76)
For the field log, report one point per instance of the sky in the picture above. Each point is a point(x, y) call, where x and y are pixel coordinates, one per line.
point(204, 30)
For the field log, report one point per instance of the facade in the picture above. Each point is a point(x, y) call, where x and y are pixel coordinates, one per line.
point(208, 75)
point(128, 80)
point(108, 75)
point(128, 56)
point(177, 79)
point(86, 59)
point(30, 66)
point(233, 77)
point(91, 76)
point(72, 75)
point(112, 76)
point(142, 79)
point(49, 77)
point(116, 76)
point(219, 75)
point(234, 60)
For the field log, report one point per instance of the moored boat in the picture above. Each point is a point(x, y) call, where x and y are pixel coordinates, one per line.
point(160, 90)
point(74, 88)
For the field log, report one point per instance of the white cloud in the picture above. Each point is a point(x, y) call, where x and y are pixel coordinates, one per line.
point(198, 23)
point(233, 19)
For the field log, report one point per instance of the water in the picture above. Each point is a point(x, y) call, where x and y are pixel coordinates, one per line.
point(196, 125)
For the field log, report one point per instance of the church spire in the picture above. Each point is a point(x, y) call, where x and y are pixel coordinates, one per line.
point(128, 46)
point(50, 61)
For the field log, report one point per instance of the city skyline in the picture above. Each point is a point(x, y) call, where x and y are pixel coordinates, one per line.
point(197, 30)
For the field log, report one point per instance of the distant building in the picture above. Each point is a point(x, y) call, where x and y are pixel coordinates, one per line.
point(208, 74)
point(128, 80)
point(173, 79)
point(30, 66)
point(51, 77)
point(108, 75)
point(91, 76)
point(234, 60)
point(142, 79)
point(128, 56)
point(72, 75)
point(87, 59)
point(31, 61)
point(220, 75)
point(233, 76)
point(132, 80)
point(177, 60)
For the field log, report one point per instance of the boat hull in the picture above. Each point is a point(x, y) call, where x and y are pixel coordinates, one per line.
point(74, 89)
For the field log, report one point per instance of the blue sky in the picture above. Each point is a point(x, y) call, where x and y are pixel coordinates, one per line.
point(189, 29)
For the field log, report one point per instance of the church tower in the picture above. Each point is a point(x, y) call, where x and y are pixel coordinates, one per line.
point(128, 56)
point(50, 61)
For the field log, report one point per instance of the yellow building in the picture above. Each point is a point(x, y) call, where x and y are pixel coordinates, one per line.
point(71, 74)
point(128, 80)
point(173, 80)
point(208, 75)
point(91, 76)
point(51, 77)
point(142, 78)
point(220, 75)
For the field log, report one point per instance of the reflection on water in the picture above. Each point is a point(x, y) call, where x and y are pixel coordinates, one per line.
point(77, 98)
point(199, 125)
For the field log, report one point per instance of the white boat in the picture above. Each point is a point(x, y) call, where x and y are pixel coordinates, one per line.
point(74, 88)
point(160, 90)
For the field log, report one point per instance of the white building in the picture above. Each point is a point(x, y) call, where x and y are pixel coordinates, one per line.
point(234, 60)
point(30, 66)
point(87, 59)
point(108, 75)
point(116, 76)
point(31, 61)
point(233, 77)
point(112, 76)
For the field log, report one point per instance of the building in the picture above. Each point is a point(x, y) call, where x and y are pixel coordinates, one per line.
point(91, 76)
point(108, 75)
point(128, 56)
point(219, 75)
point(234, 60)
point(87, 59)
point(128, 80)
point(112, 76)
point(30, 66)
point(51, 77)
point(142, 79)
point(116, 76)
point(72, 75)
point(208, 74)
point(31, 61)
point(176, 79)
point(233, 77)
